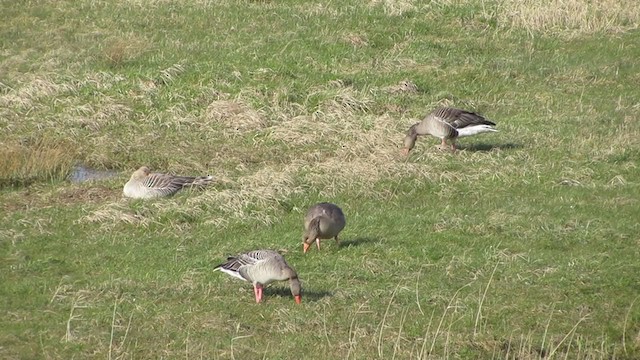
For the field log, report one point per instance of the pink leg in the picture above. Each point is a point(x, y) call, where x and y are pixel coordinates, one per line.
point(444, 143)
point(257, 290)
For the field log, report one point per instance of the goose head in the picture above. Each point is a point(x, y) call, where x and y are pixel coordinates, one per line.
point(296, 289)
point(141, 173)
point(410, 139)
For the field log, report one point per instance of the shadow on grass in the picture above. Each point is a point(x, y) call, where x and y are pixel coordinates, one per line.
point(489, 147)
point(358, 241)
point(307, 295)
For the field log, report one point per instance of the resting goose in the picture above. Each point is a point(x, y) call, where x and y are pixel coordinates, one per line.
point(323, 221)
point(262, 267)
point(448, 123)
point(144, 184)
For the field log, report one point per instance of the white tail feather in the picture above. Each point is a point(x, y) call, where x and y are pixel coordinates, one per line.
point(231, 272)
point(474, 130)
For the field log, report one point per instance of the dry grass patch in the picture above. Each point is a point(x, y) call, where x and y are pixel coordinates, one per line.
point(96, 116)
point(169, 74)
point(153, 5)
point(111, 214)
point(36, 160)
point(235, 116)
point(42, 196)
point(32, 91)
point(569, 17)
point(88, 195)
point(398, 61)
point(403, 87)
point(335, 114)
point(363, 153)
point(357, 151)
point(395, 7)
point(101, 80)
point(305, 129)
point(120, 50)
point(356, 40)
point(317, 9)
point(338, 99)
point(254, 197)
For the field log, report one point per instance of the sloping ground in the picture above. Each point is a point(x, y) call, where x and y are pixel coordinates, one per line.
point(522, 245)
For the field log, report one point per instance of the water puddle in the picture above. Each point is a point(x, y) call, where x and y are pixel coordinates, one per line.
point(82, 173)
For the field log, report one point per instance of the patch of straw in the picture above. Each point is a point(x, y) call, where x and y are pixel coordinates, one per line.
point(114, 213)
point(235, 117)
point(31, 92)
point(395, 7)
point(569, 17)
point(36, 160)
point(403, 87)
point(120, 50)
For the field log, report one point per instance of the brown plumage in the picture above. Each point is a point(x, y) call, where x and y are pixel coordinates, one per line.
point(323, 221)
point(261, 268)
point(448, 124)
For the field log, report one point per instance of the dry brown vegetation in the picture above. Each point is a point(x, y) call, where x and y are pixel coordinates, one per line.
point(235, 117)
point(516, 250)
point(122, 49)
point(569, 17)
point(33, 160)
point(336, 150)
point(341, 145)
point(395, 7)
point(552, 17)
point(32, 91)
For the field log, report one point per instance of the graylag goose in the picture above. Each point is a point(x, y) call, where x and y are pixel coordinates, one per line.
point(323, 221)
point(144, 184)
point(448, 124)
point(262, 267)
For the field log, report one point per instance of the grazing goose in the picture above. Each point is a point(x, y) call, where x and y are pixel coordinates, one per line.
point(447, 123)
point(262, 267)
point(323, 221)
point(146, 185)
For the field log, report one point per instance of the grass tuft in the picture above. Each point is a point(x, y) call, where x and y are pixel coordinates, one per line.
point(235, 117)
point(31, 91)
point(570, 17)
point(114, 213)
point(395, 7)
point(120, 51)
point(35, 160)
point(169, 74)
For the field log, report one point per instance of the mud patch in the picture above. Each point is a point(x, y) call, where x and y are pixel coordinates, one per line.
point(92, 195)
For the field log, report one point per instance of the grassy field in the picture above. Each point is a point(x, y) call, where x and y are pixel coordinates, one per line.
point(524, 244)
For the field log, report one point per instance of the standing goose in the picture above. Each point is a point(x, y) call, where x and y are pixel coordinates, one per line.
point(144, 184)
point(323, 221)
point(262, 267)
point(448, 123)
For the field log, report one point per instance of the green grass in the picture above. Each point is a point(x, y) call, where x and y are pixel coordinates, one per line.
point(524, 244)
